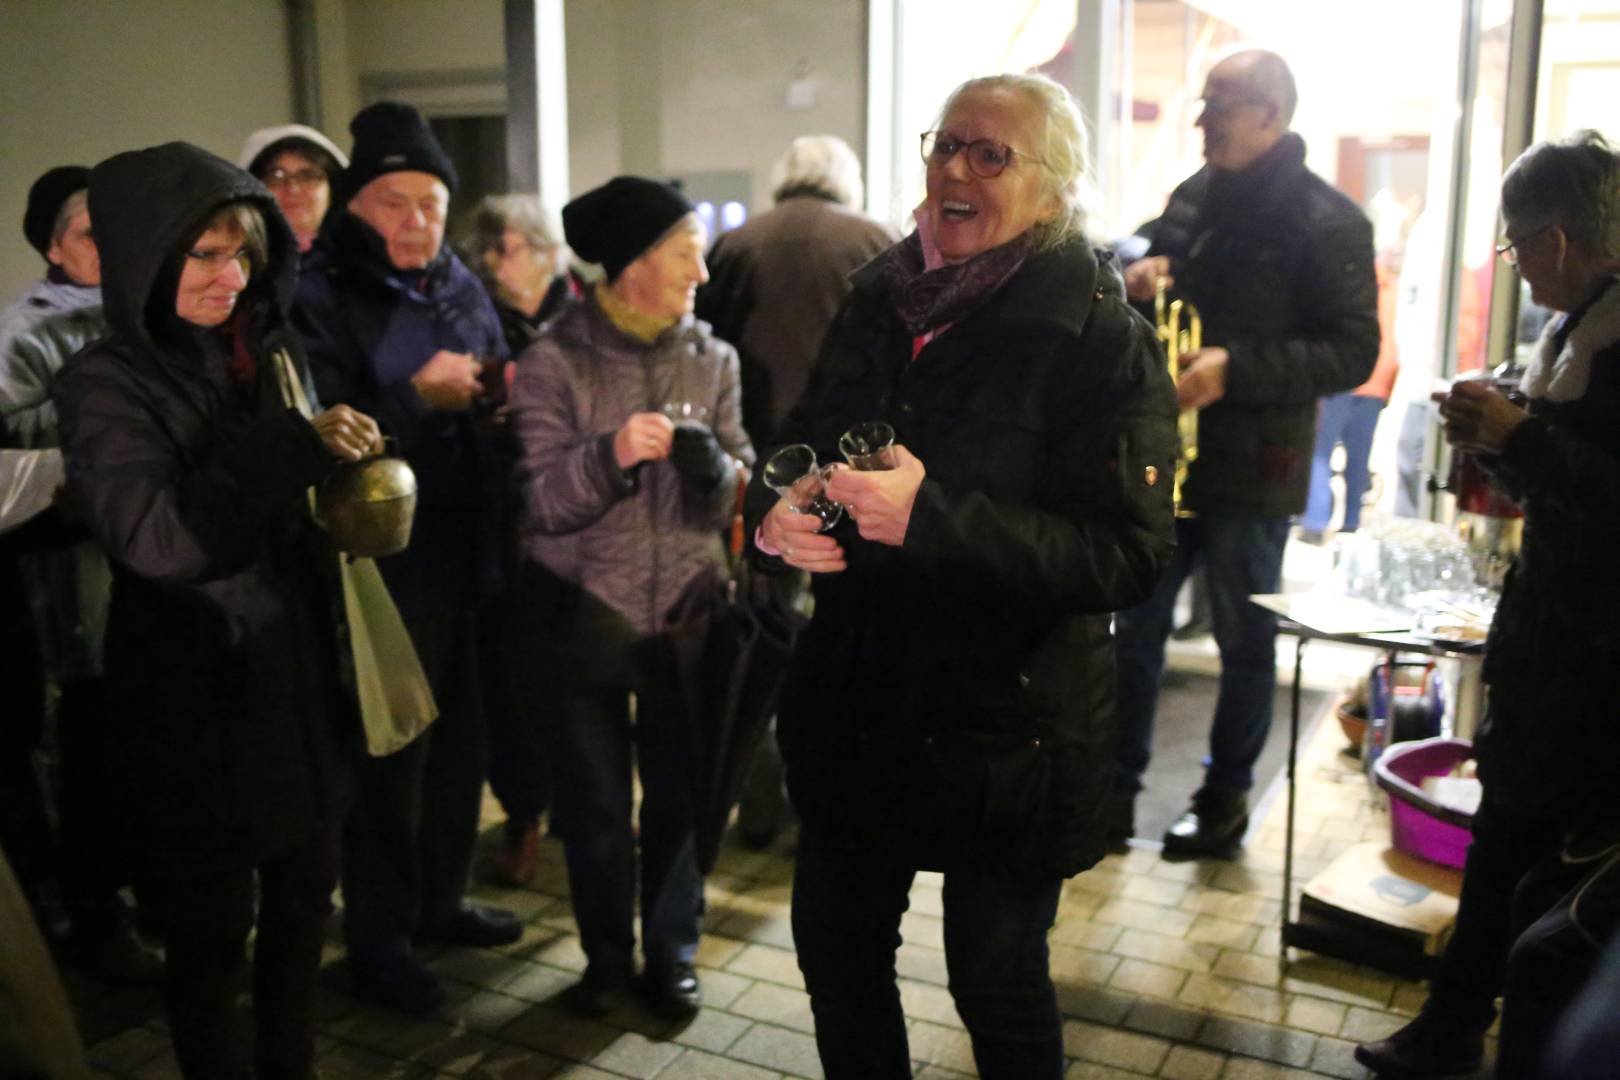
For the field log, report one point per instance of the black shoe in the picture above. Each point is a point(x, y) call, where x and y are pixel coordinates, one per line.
point(1120, 820)
point(116, 956)
point(477, 926)
point(1429, 1046)
point(394, 980)
point(600, 992)
point(673, 993)
point(1213, 825)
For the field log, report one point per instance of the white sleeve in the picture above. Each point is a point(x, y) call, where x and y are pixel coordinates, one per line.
point(29, 480)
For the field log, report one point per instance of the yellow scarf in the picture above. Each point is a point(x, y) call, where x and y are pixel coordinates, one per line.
point(644, 328)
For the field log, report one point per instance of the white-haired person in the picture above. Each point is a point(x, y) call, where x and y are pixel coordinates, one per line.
point(1548, 756)
point(950, 707)
point(516, 249)
point(776, 280)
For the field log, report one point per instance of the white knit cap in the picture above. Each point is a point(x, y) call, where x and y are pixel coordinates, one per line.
point(264, 137)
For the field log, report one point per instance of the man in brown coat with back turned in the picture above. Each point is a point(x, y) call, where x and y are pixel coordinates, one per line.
point(776, 281)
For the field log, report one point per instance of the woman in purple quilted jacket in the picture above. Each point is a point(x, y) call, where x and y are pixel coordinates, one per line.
point(623, 513)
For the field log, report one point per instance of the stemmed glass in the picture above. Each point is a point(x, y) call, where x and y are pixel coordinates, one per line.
point(792, 473)
point(868, 447)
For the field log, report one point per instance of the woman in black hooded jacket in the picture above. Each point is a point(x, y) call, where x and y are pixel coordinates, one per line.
point(235, 721)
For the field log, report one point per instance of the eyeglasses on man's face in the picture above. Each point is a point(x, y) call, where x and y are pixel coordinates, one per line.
point(1508, 249)
point(986, 158)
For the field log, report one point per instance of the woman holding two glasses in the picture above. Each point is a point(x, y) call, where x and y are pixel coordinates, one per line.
point(950, 707)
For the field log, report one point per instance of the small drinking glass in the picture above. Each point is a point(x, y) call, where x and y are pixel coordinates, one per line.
point(792, 473)
point(868, 447)
point(686, 413)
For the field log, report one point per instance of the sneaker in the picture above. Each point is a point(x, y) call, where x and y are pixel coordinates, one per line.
point(393, 979)
point(673, 993)
point(514, 864)
point(1213, 825)
point(1430, 1045)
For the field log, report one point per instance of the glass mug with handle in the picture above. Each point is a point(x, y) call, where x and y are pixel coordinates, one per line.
point(792, 473)
point(868, 447)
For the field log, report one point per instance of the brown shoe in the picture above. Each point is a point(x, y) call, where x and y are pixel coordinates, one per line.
point(514, 864)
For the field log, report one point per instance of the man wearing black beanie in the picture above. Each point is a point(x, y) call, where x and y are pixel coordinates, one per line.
point(396, 326)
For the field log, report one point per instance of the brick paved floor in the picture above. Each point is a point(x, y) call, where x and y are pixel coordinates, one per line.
point(1165, 969)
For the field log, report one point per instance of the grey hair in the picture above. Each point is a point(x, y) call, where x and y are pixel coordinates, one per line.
point(69, 210)
point(1064, 150)
point(521, 213)
point(1266, 76)
point(818, 165)
point(1574, 184)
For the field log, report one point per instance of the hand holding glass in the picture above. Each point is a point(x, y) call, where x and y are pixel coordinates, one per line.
point(686, 413)
point(868, 447)
point(792, 473)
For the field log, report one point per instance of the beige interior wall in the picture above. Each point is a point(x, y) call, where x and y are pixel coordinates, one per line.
point(425, 35)
point(83, 79)
point(662, 87)
point(655, 86)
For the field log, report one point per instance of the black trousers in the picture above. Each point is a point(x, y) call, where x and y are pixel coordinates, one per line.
point(206, 921)
point(408, 841)
point(93, 837)
point(846, 925)
point(1507, 845)
point(519, 767)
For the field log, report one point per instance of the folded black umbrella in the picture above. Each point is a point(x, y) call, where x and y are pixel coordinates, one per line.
point(732, 642)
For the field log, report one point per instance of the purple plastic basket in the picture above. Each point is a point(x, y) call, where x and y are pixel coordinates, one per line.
point(1419, 825)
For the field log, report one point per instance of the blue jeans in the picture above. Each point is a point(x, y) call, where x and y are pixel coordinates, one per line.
point(1351, 420)
point(1241, 555)
point(591, 744)
point(846, 926)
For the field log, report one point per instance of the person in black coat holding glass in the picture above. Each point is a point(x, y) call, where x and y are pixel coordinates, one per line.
point(950, 706)
point(235, 720)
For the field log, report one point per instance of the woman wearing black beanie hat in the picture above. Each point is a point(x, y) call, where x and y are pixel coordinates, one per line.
point(629, 418)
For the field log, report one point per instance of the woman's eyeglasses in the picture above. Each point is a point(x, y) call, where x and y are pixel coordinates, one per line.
point(216, 261)
point(307, 178)
point(986, 158)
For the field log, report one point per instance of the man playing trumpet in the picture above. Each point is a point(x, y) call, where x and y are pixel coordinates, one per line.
point(1280, 267)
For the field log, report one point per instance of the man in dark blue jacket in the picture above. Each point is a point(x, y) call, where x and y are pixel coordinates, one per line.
point(398, 327)
point(1280, 265)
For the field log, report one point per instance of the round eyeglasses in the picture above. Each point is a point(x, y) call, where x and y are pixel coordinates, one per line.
point(986, 158)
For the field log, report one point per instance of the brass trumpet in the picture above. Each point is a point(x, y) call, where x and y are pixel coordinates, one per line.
point(1178, 342)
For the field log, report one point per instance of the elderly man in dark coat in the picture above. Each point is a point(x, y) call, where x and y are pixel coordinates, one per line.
point(397, 326)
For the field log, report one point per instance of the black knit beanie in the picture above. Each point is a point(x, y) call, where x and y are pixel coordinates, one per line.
point(613, 224)
point(392, 137)
point(45, 201)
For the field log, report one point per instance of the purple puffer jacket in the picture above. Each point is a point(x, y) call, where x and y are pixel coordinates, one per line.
point(616, 550)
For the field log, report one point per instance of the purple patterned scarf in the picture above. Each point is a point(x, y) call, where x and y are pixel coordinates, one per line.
point(930, 294)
